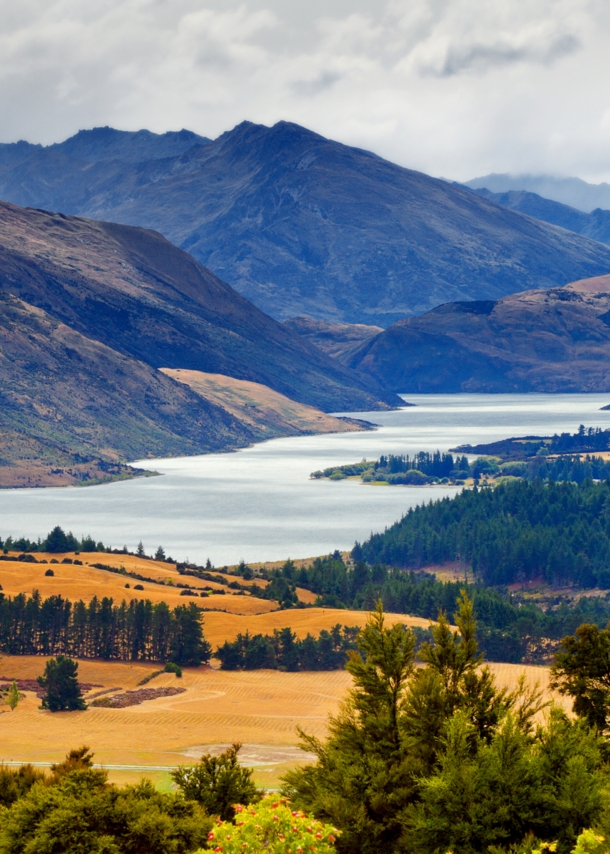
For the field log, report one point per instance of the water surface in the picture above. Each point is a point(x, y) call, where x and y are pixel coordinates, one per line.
point(259, 503)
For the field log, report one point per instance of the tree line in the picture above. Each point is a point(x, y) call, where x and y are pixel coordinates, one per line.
point(130, 631)
point(559, 532)
point(508, 629)
point(284, 651)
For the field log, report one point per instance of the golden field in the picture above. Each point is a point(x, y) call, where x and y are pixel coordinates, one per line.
point(260, 708)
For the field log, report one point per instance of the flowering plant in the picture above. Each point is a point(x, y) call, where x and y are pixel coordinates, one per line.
point(272, 827)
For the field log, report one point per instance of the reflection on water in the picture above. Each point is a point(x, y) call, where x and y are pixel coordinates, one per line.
point(259, 504)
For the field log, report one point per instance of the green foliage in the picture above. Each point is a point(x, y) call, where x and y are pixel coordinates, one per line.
point(515, 532)
point(160, 553)
point(582, 670)
point(136, 631)
point(218, 783)
point(81, 812)
point(170, 667)
point(17, 782)
point(62, 691)
point(283, 650)
point(58, 541)
point(272, 827)
point(437, 758)
point(13, 696)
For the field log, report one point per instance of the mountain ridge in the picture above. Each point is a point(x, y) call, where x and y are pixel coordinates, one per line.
point(303, 225)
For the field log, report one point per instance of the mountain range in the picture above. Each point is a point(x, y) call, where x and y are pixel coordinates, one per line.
point(595, 225)
point(573, 192)
point(90, 312)
point(302, 225)
point(555, 340)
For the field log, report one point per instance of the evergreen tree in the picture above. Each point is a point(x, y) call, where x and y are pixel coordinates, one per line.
point(140, 549)
point(160, 553)
point(218, 783)
point(13, 696)
point(62, 691)
point(58, 542)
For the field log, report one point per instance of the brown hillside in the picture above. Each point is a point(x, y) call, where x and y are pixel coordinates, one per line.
point(555, 340)
point(260, 407)
point(135, 292)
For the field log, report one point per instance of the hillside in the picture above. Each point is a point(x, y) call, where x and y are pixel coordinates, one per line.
point(338, 340)
point(135, 292)
point(595, 225)
point(300, 224)
point(555, 340)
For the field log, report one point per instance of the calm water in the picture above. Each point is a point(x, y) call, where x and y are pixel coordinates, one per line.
point(259, 504)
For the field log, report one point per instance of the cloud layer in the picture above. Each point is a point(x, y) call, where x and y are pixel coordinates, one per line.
point(451, 87)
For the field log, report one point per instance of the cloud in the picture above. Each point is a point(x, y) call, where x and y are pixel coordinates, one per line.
point(453, 87)
point(319, 84)
point(482, 57)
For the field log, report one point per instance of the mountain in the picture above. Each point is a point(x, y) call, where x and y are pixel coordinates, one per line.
point(573, 192)
point(300, 224)
point(71, 408)
point(94, 320)
point(135, 292)
point(555, 340)
point(595, 225)
point(338, 340)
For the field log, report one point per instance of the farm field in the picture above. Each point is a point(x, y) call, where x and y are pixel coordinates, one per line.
point(84, 582)
point(260, 708)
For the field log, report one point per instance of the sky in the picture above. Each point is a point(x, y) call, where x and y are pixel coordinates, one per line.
point(455, 88)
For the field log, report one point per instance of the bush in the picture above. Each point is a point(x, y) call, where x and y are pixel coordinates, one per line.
point(272, 827)
point(170, 667)
point(217, 783)
point(49, 573)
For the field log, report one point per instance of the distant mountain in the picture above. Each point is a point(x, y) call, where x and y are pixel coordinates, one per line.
point(338, 340)
point(595, 225)
point(555, 340)
point(134, 291)
point(573, 192)
point(89, 313)
point(302, 225)
point(71, 407)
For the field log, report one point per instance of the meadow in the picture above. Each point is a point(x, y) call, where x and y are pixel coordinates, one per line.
point(260, 708)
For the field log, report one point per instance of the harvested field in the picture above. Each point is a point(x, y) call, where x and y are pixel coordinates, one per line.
point(260, 708)
point(84, 582)
point(222, 627)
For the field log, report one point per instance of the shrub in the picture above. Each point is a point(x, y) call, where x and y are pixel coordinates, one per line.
point(272, 827)
point(138, 587)
point(49, 573)
point(170, 667)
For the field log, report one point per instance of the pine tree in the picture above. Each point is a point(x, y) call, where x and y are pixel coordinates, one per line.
point(13, 696)
point(62, 691)
point(140, 550)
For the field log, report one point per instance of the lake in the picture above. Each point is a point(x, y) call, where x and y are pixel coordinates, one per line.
point(259, 503)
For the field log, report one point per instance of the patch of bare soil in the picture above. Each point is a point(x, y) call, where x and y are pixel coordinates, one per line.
point(135, 698)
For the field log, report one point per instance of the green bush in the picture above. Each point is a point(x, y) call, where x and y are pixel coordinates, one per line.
point(170, 667)
point(273, 828)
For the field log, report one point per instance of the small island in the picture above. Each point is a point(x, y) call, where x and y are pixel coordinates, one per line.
point(573, 457)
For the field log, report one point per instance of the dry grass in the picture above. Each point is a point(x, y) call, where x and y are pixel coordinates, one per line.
point(261, 407)
point(222, 627)
point(260, 708)
point(85, 582)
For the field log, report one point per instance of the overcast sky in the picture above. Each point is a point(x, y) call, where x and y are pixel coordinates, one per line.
point(457, 88)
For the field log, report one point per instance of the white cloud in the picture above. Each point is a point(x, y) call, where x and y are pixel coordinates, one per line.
point(453, 87)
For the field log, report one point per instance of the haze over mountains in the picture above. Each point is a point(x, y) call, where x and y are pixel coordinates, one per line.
point(92, 310)
point(573, 192)
point(595, 225)
point(300, 224)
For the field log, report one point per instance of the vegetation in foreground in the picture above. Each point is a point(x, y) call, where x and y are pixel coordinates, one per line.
point(438, 759)
point(419, 759)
